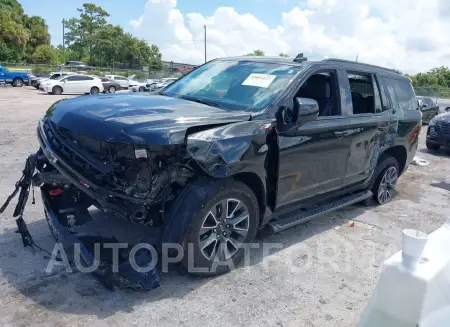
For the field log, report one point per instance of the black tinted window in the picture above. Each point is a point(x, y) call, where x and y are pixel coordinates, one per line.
point(105, 80)
point(84, 78)
point(71, 78)
point(365, 93)
point(405, 94)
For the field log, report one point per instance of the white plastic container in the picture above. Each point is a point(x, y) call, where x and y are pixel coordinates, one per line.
point(413, 244)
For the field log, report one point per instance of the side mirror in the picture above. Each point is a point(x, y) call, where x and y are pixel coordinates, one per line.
point(424, 106)
point(447, 109)
point(307, 110)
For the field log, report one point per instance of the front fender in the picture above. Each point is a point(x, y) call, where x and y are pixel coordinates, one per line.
point(231, 149)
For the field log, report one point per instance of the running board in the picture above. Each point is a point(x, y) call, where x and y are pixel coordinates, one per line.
point(304, 216)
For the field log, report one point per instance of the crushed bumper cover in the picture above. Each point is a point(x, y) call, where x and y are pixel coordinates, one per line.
point(124, 275)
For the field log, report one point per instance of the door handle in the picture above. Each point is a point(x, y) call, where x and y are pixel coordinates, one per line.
point(341, 134)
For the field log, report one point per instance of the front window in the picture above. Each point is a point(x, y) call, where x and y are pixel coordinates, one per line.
point(234, 85)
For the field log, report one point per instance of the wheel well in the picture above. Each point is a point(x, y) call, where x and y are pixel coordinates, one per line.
point(253, 181)
point(400, 154)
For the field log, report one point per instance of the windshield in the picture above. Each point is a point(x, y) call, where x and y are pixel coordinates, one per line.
point(235, 85)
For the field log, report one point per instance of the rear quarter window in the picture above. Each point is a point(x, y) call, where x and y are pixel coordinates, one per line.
point(405, 94)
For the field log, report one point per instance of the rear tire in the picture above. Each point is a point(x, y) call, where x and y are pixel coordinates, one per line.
point(432, 146)
point(218, 231)
point(95, 90)
point(386, 173)
point(112, 89)
point(17, 82)
point(57, 90)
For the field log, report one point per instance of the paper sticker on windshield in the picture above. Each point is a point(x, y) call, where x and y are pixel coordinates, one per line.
point(259, 80)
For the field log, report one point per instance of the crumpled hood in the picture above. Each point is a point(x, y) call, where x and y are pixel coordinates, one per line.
point(137, 118)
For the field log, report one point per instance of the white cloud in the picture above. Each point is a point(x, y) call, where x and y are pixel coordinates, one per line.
point(403, 34)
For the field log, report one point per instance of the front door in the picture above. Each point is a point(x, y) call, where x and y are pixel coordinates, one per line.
point(313, 157)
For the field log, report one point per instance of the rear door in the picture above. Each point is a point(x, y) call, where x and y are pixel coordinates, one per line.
point(69, 84)
point(85, 84)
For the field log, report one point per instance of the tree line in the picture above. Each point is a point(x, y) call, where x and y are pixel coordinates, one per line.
point(88, 38)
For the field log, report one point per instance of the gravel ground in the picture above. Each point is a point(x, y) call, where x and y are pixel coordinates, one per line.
point(322, 276)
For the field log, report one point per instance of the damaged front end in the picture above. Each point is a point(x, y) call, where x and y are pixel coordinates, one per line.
point(133, 182)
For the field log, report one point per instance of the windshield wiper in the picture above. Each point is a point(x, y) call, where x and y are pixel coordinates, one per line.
point(202, 101)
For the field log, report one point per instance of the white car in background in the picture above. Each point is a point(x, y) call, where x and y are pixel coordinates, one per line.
point(74, 84)
point(123, 81)
point(52, 76)
point(163, 83)
point(141, 86)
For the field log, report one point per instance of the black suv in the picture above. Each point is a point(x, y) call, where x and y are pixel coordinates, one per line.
point(438, 133)
point(428, 107)
point(236, 145)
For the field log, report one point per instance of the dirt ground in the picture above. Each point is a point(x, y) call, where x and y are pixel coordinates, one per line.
point(322, 276)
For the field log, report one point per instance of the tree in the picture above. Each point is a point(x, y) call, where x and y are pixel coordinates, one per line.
point(44, 53)
point(283, 55)
point(257, 53)
point(83, 31)
point(20, 34)
point(90, 38)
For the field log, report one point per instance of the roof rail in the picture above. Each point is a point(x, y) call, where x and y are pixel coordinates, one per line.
point(359, 63)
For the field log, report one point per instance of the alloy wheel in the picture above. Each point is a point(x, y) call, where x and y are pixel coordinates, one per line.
point(387, 185)
point(224, 230)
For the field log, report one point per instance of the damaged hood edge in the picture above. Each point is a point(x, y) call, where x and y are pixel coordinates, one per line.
point(138, 119)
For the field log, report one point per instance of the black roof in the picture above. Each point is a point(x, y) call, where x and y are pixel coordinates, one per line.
point(332, 61)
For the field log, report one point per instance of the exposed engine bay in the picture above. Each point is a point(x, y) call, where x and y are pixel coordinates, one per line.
point(139, 179)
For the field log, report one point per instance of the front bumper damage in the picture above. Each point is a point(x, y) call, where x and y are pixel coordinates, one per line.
point(66, 220)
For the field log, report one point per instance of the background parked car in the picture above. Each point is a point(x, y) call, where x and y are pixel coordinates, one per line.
point(123, 81)
point(109, 85)
point(428, 107)
point(163, 83)
point(140, 86)
point(16, 79)
point(74, 84)
point(79, 65)
point(51, 76)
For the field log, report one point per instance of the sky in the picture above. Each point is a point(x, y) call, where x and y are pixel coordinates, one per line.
point(409, 35)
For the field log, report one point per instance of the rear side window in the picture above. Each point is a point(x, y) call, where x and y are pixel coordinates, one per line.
point(365, 93)
point(405, 94)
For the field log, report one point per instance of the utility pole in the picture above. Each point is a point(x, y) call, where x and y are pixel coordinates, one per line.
point(64, 46)
point(204, 26)
point(357, 57)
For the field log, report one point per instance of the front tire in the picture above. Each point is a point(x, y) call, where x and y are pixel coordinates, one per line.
point(215, 239)
point(112, 89)
point(57, 90)
point(141, 89)
point(432, 146)
point(386, 173)
point(95, 90)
